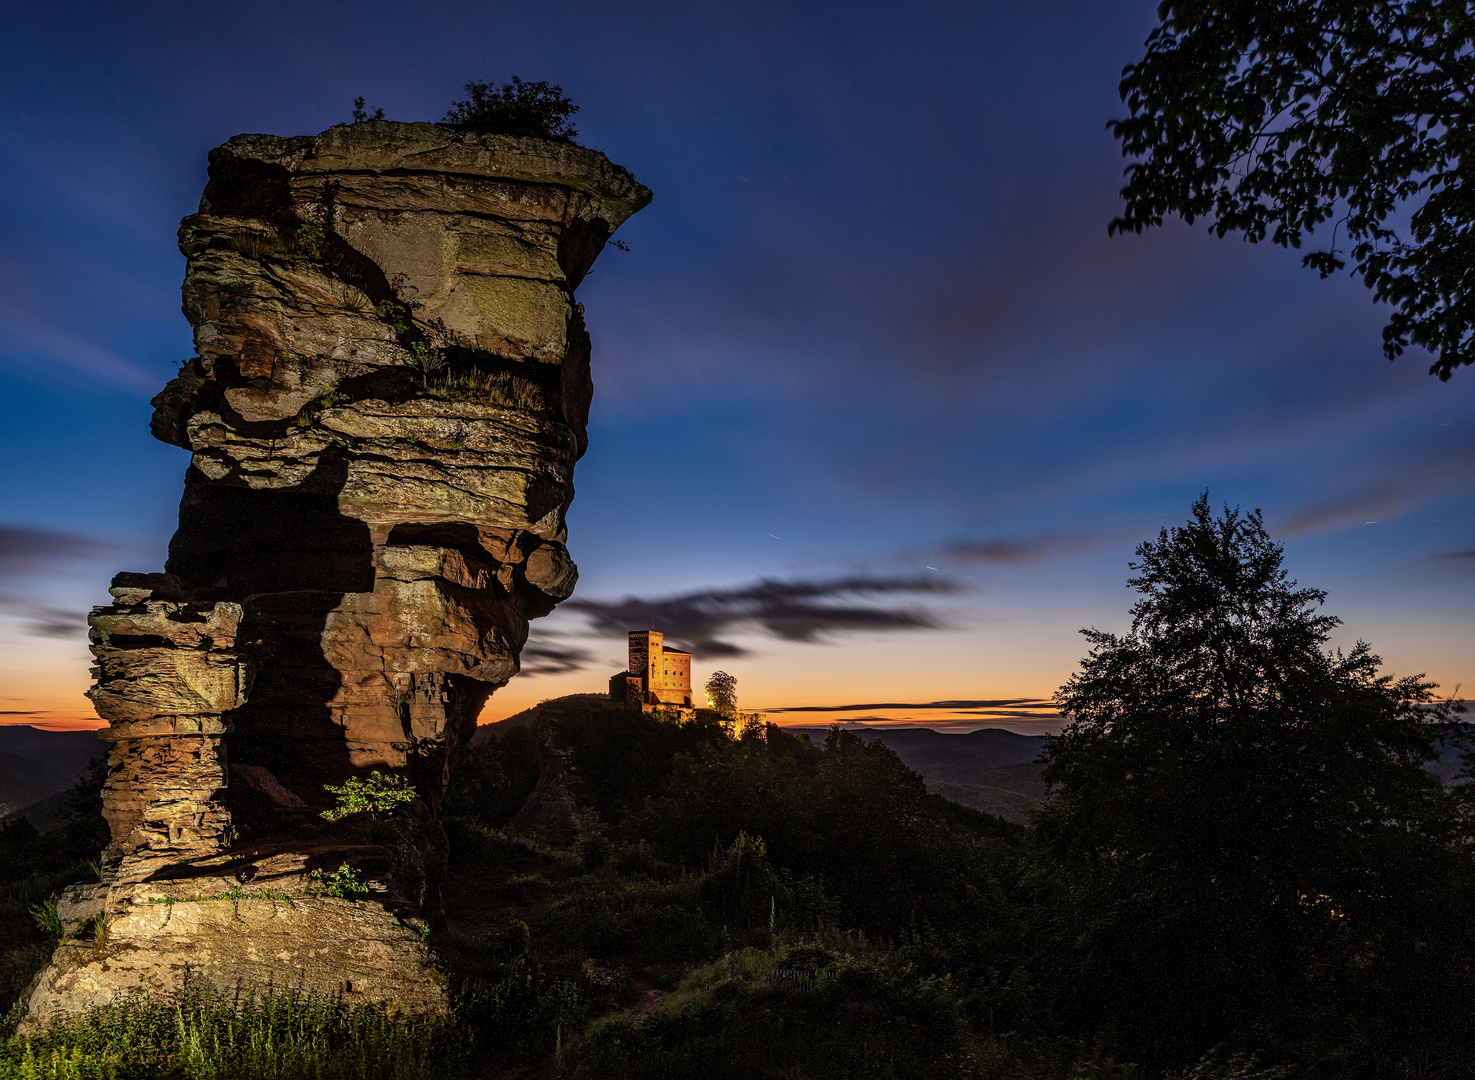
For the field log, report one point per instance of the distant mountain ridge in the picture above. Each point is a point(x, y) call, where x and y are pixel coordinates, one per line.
point(37, 765)
point(989, 769)
point(997, 771)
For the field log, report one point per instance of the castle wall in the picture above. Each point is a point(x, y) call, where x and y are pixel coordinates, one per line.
point(672, 683)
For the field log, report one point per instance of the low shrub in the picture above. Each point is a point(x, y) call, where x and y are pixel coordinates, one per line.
point(307, 241)
point(798, 1010)
point(376, 794)
point(536, 109)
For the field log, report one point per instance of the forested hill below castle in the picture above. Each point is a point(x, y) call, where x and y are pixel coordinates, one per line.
point(991, 769)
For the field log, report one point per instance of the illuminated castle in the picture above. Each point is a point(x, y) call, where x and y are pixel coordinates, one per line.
point(658, 677)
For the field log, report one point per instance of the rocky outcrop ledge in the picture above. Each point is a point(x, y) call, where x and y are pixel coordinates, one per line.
point(390, 391)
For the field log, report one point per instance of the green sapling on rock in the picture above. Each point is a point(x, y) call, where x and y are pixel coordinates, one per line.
point(426, 361)
point(344, 883)
point(375, 794)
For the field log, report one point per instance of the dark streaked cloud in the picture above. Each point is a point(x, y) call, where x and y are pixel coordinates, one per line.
point(30, 551)
point(1450, 564)
point(1015, 550)
point(986, 704)
point(26, 554)
point(553, 659)
point(45, 620)
point(799, 611)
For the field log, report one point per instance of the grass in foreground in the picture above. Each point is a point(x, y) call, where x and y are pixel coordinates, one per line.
point(206, 1036)
point(838, 1008)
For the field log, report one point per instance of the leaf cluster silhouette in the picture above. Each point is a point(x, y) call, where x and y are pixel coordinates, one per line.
point(1277, 119)
point(537, 109)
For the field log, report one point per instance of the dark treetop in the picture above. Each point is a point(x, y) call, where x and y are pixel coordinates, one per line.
point(1274, 118)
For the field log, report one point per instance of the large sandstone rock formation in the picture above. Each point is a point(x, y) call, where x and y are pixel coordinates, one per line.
point(390, 392)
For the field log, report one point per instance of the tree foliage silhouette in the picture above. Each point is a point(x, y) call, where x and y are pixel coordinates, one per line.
point(362, 114)
point(1241, 836)
point(536, 109)
point(1274, 118)
point(722, 693)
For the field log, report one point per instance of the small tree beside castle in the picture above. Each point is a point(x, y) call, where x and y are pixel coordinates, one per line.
point(722, 694)
point(722, 699)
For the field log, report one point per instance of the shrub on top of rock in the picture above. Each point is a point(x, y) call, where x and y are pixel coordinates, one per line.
point(535, 109)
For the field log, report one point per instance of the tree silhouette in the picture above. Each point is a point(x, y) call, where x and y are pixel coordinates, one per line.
point(1241, 839)
point(722, 694)
point(1272, 118)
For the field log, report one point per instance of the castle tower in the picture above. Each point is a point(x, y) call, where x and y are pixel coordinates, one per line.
point(658, 676)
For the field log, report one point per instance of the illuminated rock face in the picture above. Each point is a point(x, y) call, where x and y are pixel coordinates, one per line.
point(391, 389)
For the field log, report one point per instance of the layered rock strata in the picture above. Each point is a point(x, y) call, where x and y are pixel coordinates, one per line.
point(390, 393)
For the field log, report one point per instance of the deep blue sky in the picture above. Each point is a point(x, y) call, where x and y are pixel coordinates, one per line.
point(871, 324)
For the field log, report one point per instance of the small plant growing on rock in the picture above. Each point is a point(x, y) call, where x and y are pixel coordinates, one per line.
point(377, 794)
point(393, 314)
point(308, 243)
point(426, 361)
point(326, 400)
point(47, 918)
point(535, 109)
point(488, 389)
point(360, 114)
point(256, 245)
point(345, 883)
point(348, 297)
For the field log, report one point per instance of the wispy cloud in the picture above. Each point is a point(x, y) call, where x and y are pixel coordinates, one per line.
point(554, 659)
point(798, 611)
point(26, 554)
point(986, 705)
point(1015, 550)
point(60, 347)
point(1355, 508)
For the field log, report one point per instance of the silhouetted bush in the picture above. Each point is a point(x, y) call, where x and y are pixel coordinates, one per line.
point(1242, 845)
point(535, 109)
point(808, 1010)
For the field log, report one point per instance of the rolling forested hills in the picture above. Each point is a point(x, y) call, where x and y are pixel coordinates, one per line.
point(990, 769)
point(36, 765)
